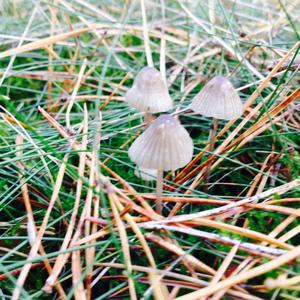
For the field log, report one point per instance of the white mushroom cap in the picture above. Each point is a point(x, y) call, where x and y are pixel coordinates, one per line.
point(145, 174)
point(164, 145)
point(149, 92)
point(218, 99)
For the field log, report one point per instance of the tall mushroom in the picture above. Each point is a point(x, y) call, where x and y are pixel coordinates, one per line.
point(165, 145)
point(218, 99)
point(149, 93)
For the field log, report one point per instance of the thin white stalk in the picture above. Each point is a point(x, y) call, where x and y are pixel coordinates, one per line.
point(212, 140)
point(147, 119)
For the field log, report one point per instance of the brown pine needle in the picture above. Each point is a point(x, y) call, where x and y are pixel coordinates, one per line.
point(224, 266)
point(124, 241)
point(193, 282)
point(160, 291)
point(190, 259)
point(138, 233)
point(79, 292)
point(114, 91)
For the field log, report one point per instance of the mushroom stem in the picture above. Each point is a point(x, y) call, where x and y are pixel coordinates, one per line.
point(159, 189)
point(212, 141)
point(147, 119)
point(213, 134)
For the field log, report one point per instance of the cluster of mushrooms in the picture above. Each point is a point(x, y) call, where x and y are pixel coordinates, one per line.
point(165, 145)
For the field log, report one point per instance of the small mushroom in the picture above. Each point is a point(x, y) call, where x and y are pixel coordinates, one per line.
point(149, 93)
point(217, 99)
point(165, 145)
point(145, 174)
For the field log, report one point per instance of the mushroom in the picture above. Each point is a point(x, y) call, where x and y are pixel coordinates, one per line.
point(149, 93)
point(165, 145)
point(217, 99)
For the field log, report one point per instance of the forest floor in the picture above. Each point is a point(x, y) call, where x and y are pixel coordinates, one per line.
point(76, 221)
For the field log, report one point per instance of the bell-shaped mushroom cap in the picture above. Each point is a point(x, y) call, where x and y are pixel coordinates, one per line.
point(164, 145)
point(218, 99)
point(149, 92)
point(145, 174)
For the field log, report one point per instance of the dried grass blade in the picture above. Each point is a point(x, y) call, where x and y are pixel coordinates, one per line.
point(124, 243)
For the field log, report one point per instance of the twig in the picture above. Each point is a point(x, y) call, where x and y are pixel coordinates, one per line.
point(252, 248)
point(182, 218)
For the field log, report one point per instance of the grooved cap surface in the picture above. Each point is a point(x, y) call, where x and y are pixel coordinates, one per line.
point(165, 145)
point(218, 99)
point(149, 92)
